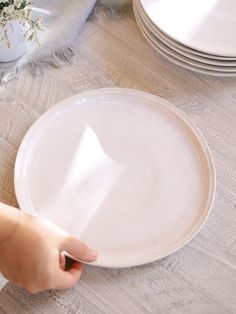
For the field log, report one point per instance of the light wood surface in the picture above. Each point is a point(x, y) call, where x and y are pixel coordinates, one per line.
point(201, 277)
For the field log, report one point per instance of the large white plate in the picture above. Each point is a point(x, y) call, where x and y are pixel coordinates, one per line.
point(204, 25)
point(179, 59)
point(187, 52)
point(121, 169)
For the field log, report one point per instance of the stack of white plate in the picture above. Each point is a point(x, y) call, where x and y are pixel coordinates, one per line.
point(198, 35)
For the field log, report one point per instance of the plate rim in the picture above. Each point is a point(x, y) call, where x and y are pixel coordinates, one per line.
point(175, 46)
point(182, 116)
point(229, 55)
point(178, 61)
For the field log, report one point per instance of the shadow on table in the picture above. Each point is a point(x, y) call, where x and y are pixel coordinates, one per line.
point(96, 281)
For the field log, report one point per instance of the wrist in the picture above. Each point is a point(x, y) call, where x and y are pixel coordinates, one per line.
point(9, 219)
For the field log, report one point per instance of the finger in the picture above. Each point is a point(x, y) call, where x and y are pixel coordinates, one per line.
point(68, 279)
point(62, 260)
point(79, 250)
point(32, 289)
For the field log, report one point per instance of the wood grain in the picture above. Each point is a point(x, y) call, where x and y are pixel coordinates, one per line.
point(200, 278)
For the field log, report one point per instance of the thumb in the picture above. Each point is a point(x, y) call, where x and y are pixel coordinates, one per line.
point(78, 250)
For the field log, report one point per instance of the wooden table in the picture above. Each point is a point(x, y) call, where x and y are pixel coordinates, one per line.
point(200, 278)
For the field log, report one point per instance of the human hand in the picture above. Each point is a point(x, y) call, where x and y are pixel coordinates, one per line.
point(33, 255)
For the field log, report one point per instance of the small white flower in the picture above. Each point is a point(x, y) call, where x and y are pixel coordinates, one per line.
point(18, 10)
point(9, 9)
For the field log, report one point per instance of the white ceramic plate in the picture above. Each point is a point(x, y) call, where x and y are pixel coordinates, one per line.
point(161, 45)
point(180, 59)
point(121, 169)
point(175, 43)
point(189, 53)
point(204, 25)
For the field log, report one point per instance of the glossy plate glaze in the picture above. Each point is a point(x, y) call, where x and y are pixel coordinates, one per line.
point(180, 59)
point(204, 25)
point(181, 49)
point(123, 170)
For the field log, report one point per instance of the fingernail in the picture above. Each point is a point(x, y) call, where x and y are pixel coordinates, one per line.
point(93, 253)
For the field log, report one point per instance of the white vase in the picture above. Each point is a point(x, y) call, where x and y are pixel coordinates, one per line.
point(16, 33)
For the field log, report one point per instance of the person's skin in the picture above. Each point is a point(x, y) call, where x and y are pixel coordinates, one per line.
point(31, 252)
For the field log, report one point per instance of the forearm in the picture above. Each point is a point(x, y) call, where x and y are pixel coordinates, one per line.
point(8, 221)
